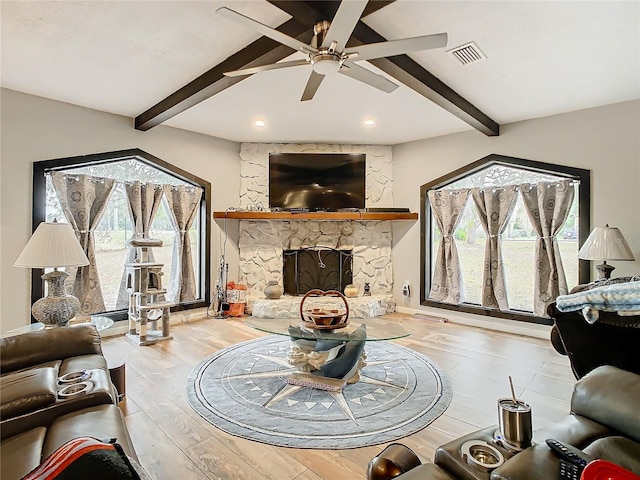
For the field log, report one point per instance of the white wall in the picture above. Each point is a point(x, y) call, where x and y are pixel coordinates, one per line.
point(605, 140)
point(34, 128)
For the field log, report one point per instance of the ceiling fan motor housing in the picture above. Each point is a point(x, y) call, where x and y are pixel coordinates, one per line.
point(320, 29)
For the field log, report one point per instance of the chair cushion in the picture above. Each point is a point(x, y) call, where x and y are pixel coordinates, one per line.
point(27, 391)
point(85, 457)
point(604, 394)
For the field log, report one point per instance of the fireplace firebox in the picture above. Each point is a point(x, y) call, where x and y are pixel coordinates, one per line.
point(316, 268)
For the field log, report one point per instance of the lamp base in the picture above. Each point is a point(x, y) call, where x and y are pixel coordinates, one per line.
point(57, 308)
point(604, 271)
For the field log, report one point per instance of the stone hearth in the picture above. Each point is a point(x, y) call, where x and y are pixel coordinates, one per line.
point(289, 306)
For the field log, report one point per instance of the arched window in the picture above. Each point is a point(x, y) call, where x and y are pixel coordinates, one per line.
point(512, 229)
point(131, 172)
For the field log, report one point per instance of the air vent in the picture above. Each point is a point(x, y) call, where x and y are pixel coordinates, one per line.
point(468, 53)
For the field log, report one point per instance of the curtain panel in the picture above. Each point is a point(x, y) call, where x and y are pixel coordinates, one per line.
point(447, 207)
point(144, 200)
point(83, 199)
point(548, 205)
point(183, 202)
point(494, 206)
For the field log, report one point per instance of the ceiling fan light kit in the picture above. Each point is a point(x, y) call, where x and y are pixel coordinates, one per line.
point(327, 54)
point(326, 63)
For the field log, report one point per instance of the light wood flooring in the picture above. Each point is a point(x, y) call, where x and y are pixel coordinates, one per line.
point(174, 442)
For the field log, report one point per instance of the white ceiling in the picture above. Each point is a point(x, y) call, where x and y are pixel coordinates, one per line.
point(543, 58)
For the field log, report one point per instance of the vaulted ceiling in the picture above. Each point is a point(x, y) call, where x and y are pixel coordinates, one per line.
point(162, 63)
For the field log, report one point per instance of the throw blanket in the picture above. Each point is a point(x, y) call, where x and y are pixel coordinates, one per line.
point(623, 298)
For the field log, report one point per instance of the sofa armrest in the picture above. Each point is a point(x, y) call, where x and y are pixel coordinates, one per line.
point(33, 348)
point(394, 460)
point(612, 340)
point(27, 391)
point(609, 395)
point(102, 392)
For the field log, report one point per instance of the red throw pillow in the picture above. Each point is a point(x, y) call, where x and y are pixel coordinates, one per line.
point(85, 457)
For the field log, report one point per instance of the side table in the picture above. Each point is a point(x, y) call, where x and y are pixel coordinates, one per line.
point(117, 373)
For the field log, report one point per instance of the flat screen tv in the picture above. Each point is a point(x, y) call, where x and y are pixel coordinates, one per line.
point(317, 182)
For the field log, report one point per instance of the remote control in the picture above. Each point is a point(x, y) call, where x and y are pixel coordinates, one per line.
point(569, 471)
point(568, 452)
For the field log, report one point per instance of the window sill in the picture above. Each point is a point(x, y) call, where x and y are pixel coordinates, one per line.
point(488, 312)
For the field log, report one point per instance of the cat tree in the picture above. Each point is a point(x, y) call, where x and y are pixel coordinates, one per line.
point(147, 306)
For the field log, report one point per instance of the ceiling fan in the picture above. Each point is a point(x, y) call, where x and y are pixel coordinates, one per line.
point(327, 53)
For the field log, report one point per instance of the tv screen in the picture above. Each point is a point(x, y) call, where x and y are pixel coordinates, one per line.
point(318, 182)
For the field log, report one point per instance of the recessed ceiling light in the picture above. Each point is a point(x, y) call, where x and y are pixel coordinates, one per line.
point(259, 123)
point(369, 122)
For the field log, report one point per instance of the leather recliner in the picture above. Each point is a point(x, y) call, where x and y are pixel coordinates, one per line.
point(604, 422)
point(35, 419)
point(612, 340)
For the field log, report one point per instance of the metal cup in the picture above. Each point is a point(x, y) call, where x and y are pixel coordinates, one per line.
point(514, 419)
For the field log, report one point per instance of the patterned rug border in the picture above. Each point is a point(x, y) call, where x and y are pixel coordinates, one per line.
point(212, 407)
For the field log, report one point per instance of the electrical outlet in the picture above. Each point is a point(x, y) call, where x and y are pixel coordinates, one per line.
point(406, 289)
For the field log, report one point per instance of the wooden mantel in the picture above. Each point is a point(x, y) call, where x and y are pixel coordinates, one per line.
point(257, 215)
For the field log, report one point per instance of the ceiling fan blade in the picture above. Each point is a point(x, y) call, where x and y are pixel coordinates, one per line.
point(315, 79)
point(264, 68)
point(265, 30)
point(397, 47)
point(343, 23)
point(367, 76)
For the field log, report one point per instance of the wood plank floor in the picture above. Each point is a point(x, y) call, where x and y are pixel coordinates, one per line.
point(173, 441)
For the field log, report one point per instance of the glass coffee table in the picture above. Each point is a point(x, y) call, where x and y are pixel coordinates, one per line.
point(329, 358)
point(377, 328)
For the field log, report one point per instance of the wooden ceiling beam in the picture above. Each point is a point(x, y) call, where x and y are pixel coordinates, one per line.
point(261, 52)
point(400, 67)
point(265, 51)
point(418, 78)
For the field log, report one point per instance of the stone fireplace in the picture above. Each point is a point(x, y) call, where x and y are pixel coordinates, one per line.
point(262, 243)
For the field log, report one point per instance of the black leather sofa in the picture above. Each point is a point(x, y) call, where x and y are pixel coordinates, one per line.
point(35, 420)
point(604, 422)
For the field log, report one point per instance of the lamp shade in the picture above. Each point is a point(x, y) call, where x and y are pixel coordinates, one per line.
point(605, 243)
point(52, 245)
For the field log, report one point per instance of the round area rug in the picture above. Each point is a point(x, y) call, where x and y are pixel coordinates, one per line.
point(243, 390)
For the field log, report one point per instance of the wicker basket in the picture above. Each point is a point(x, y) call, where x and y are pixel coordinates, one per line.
point(324, 318)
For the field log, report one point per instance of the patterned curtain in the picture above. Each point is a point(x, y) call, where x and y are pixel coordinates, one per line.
point(495, 206)
point(447, 207)
point(144, 200)
point(83, 199)
point(548, 205)
point(183, 205)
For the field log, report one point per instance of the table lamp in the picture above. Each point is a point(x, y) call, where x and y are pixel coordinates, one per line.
point(53, 245)
point(605, 243)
